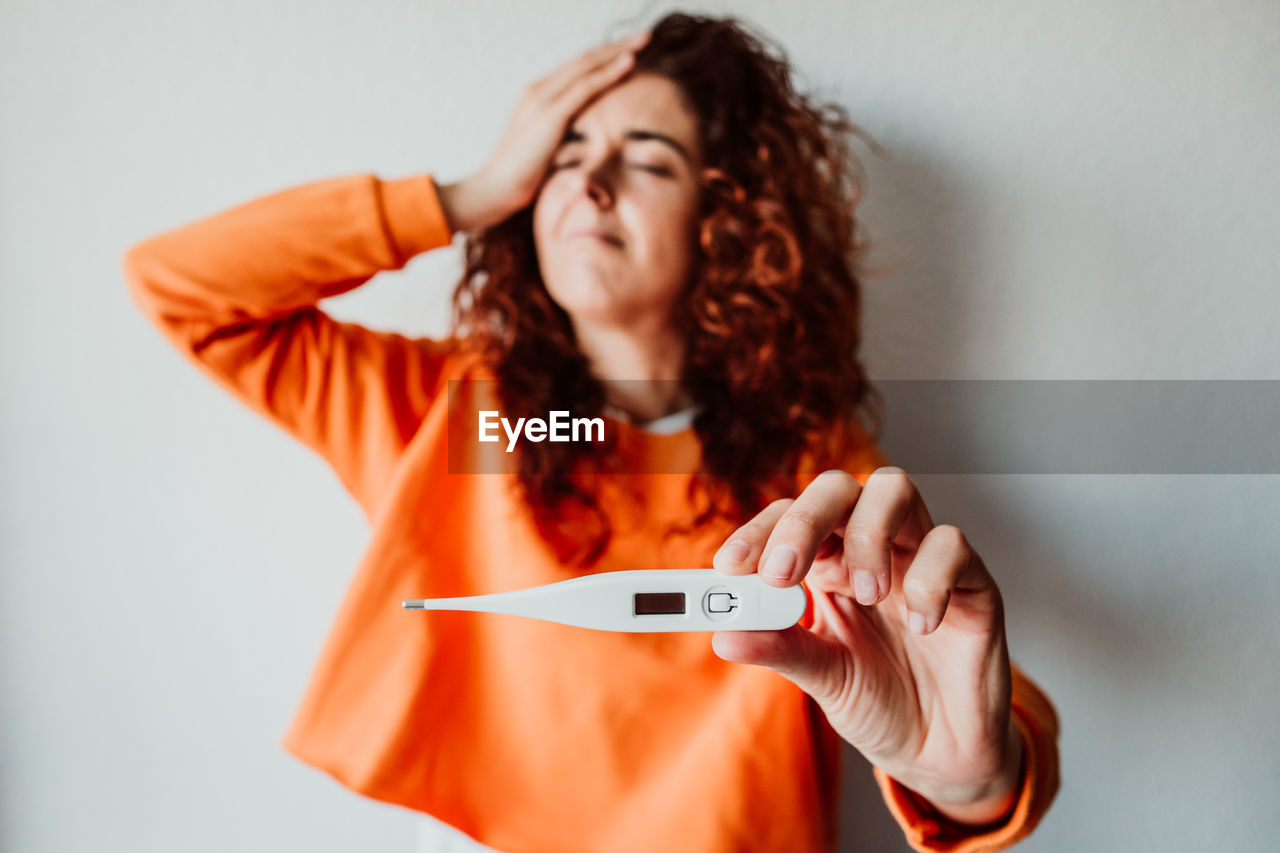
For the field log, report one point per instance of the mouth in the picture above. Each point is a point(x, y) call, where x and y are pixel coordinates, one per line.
point(598, 236)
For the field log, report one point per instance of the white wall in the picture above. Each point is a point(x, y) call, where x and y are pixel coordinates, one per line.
point(1076, 190)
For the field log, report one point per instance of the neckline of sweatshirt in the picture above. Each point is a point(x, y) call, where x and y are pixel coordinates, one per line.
point(670, 424)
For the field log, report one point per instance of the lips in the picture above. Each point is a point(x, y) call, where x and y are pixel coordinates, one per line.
point(602, 236)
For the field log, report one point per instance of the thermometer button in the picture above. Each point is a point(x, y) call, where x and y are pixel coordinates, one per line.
point(720, 604)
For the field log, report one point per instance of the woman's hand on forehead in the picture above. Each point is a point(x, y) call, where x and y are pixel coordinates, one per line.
point(510, 179)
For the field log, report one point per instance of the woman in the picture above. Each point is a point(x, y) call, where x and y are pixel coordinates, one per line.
point(664, 209)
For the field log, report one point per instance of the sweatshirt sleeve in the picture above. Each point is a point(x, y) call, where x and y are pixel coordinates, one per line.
point(237, 294)
point(928, 830)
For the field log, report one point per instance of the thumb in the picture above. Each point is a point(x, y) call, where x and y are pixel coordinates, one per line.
point(815, 665)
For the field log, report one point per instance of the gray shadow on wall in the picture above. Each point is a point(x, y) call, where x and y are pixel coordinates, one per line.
point(921, 268)
point(913, 218)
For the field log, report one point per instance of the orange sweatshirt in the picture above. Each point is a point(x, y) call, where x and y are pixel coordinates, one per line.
point(530, 736)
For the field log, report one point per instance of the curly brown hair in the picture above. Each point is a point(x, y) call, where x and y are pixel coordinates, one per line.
point(773, 305)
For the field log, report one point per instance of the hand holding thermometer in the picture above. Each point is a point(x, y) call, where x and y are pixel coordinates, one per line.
point(645, 600)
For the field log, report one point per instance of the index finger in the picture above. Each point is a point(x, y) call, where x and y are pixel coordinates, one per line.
point(789, 546)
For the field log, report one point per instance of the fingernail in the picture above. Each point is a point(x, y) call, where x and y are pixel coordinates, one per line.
point(916, 622)
point(864, 587)
point(782, 559)
point(734, 552)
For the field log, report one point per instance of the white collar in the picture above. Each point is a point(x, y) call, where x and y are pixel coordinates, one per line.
point(665, 425)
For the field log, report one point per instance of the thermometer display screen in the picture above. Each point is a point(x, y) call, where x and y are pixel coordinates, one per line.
point(649, 603)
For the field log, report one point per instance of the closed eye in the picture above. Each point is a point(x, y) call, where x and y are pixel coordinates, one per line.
point(657, 170)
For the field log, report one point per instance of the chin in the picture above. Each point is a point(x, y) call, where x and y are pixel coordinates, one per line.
point(597, 313)
point(585, 297)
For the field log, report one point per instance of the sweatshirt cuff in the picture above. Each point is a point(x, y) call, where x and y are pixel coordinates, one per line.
point(930, 831)
point(414, 218)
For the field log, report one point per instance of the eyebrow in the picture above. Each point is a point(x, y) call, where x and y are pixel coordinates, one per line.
point(575, 135)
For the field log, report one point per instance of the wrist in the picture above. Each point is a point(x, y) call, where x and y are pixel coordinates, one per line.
point(467, 204)
point(990, 801)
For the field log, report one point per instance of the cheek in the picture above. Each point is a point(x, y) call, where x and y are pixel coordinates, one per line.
point(674, 236)
point(546, 211)
point(541, 212)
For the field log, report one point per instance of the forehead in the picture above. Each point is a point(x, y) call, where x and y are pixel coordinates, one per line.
point(642, 101)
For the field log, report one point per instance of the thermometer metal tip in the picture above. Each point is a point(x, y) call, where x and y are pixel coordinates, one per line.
point(645, 600)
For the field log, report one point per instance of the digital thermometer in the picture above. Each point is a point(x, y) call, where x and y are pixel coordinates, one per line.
point(645, 600)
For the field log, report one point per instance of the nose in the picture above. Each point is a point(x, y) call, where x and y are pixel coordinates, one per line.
point(599, 178)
